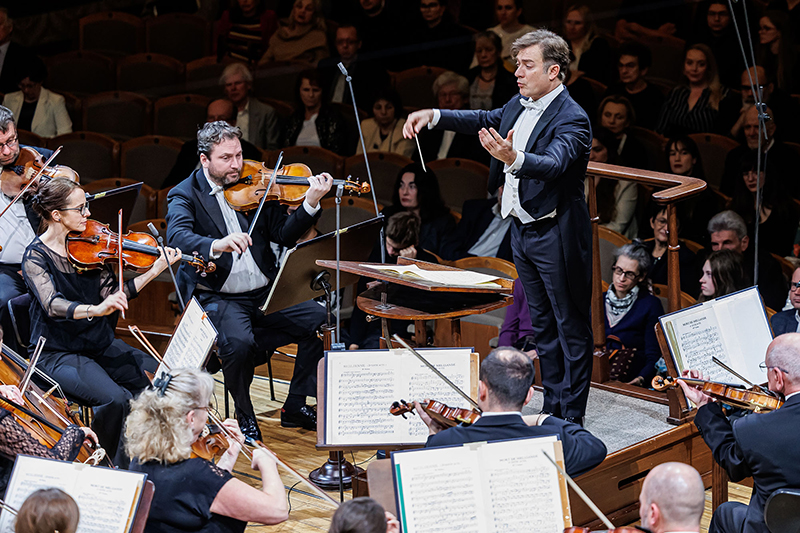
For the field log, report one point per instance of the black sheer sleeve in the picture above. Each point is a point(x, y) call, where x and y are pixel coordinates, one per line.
point(15, 441)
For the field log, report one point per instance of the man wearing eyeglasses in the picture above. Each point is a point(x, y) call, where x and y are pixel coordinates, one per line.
point(789, 321)
point(17, 227)
point(763, 446)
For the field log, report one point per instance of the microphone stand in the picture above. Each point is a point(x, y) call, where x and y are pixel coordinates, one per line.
point(160, 241)
point(337, 338)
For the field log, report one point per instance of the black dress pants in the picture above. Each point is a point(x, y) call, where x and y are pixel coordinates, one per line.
point(11, 286)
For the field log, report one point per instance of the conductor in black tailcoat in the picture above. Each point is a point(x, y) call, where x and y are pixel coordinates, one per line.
point(540, 145)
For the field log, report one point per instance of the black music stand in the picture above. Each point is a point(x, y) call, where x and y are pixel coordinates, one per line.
point(106, 204)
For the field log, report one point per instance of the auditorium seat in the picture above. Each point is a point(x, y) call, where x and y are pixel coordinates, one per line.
point(355, 209)
point(460, 180)
point(278, 80)
point(149, 159)
point(29, 138)
point(161, 202)
point(180, 115)
point(283, 109)
point(654, 144)
point(93, 156)
point(74, 107)
point(610, 240)
point(202, 76)
point(80, 72)
point(112, 33)
point(143, 209)
point(415, 86)
point(119, 114)
point(179, 35)
point(385, 167)
point(667, 58)
point(713, 149)
point(318, 160)
point(661, 291)
point(151, 75)
point(159, 223)
point(662, 84)
point(598, 88)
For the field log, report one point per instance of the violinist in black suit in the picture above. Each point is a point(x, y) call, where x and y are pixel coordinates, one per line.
point(540, 146)
point(762, 445)
point(505, 387)
point(199, 218)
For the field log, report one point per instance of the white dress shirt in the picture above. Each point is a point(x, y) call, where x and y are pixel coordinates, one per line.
point(16, 232)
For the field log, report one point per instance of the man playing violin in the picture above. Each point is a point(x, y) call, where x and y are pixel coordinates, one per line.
point(505, 387)
point(17, 227)
point(199, 218)
point(759, 445)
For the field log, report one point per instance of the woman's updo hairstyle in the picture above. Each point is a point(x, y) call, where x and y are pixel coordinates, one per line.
point(52, 196)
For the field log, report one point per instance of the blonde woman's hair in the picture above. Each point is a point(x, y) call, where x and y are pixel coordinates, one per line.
point(156, 429)
point(46, 511)
point(712, 74)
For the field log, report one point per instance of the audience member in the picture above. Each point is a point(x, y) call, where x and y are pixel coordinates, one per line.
point(382, 24)
point(788, 321)
point(616, 199)
point(716, 30)
point(694, 106)
point(481, 232)
point(300, 37)
point(509, 28)
point(367, 76)
point(314, 123)
point(634, 61)
point(582, 92)
point(188, 159)
point(243, 31)
point(452, 92)
point(672, 499)
point(363, 515)
point(12, 55)
point(787, 6)
point(491, 85)
point(417, 191)
point(655, 23)
point(776, 50)
point(592, 56)
point(383, 132)
point(516, 330)
point(438, 40)
point(257, 120)
point(658, 253)
point(723, 273)
point(631, 314)
point(47, 511)
point(38, 110)
point(616, 114)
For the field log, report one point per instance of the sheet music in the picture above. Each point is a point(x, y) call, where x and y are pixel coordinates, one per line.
point(445, 277)
point(106, 498)
point(362, 385)
point(192, 340)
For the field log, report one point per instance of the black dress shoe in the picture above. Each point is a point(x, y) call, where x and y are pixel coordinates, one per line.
point(249, 426)
point(574, 419)
point(305, 418)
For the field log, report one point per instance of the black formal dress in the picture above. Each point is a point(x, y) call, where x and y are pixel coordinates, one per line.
point(92, 367)
point(184, 493)
point(552, 254)
point(582, 450)
point(759, 445)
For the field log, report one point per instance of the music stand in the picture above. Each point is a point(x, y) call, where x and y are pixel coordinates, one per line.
point(104, 207)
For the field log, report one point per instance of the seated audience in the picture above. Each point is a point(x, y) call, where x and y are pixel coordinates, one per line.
point(672, 499)
point(257, 120)
point(655, 23)
point(452, 92)
point(195, 494)
point(481, 232)
point(646, 99)
point(777, 50)
point(516, 330)
point(491, 85)
point(505, 387)
point(581, 91)
point(363, 515)
point(439, 41)
point(788, 7)
point(592, 56)
point(694, 106)
point(631, 313)
point(616, 114)
point(723, 273)
point(616, 199)
point(382, 25)
point(47, 511)
point(509, 28)
point(728, 231)
point(38, 110)
point(383, 132)
point(658, 253)
point(188, 159)
point(788, 321)
point(314, 123)
point(715, 29)
point(417, 191)
point(243, 31)
point(15, 55)
point(301, 36)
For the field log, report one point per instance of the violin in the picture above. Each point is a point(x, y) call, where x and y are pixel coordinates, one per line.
point(441, 413)
point(30, 162)
point(289, 188)
point(211, 444)
point(97, 245)
point(738, 397)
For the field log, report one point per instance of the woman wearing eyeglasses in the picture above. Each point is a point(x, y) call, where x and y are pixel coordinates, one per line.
point(631, 313)
point(77, 314)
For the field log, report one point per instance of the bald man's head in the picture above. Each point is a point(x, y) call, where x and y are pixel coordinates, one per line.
point(672, 498)
point(783, 363)
point(221, 109)
point(751, 127)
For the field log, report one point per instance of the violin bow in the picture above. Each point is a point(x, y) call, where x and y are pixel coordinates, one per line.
point(5, 507)
point(35, 178)
point(436, 371)
point(26, 377)
point(139, 336)
point(119, 243)
point(264, 198)
point(735, 373)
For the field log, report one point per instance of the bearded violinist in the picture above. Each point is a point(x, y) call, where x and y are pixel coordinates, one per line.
point(759, 445)
point(199, 218)
point(17, 227)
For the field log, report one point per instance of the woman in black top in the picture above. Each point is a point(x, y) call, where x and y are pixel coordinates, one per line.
point(314, 123)
point(490, 84)
point(77, 314)
point(193, 494)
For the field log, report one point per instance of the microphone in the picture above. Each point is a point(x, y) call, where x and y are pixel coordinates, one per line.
point(155, 232)
point(343, 69)
point(160, 241)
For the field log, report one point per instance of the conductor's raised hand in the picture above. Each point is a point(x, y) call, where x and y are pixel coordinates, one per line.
point(416, 121)
point(235, 242)
point(318, 186)
point(500, 148)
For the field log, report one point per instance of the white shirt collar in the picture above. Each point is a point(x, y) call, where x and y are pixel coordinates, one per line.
point(502, 413)
point(547, 99)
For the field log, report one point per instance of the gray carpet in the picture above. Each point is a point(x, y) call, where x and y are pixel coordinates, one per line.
point(618, 420)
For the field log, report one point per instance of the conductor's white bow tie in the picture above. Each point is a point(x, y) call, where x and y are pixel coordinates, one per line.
point(527, 103)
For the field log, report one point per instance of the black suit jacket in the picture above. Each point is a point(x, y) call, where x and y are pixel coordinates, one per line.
point(16, 57)
point(194, 221)
point(476, 216)
point(784, 322)
point(582, 450)
point(187, 161)
point(763, 446)
point(464, 146)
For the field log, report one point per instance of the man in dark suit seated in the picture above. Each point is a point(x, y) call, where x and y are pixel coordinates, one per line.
point(482, 231)
point(12, 56)
point(672, 499)
point(367, 76)
point(762, 446)
point(789, 321)
point(505, 387)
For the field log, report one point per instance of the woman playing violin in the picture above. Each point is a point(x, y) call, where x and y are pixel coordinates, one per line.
point(77, 313)
point(192, 494)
